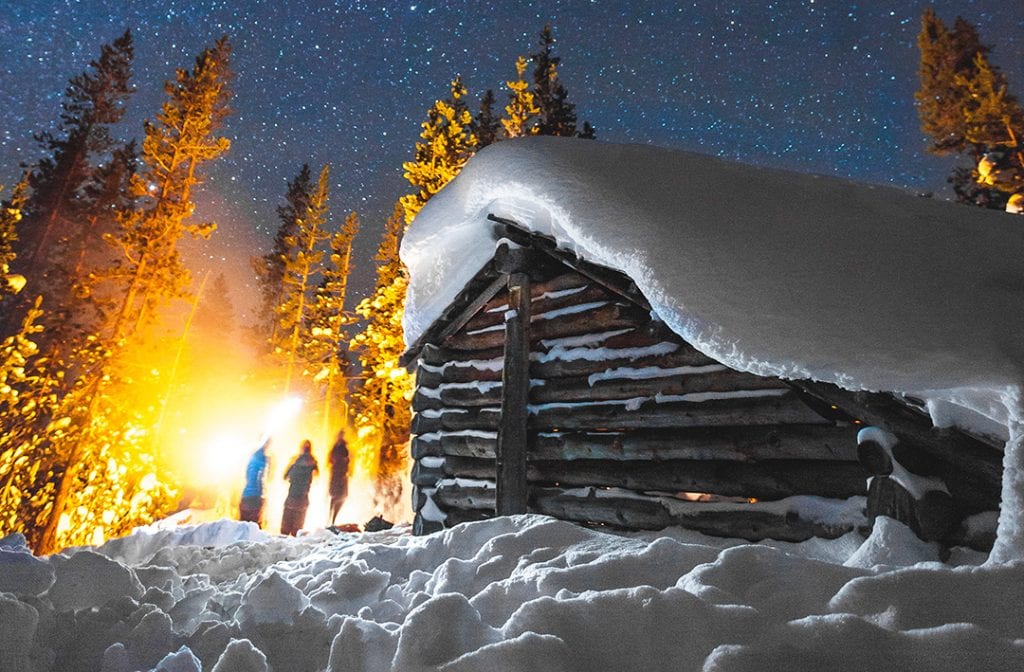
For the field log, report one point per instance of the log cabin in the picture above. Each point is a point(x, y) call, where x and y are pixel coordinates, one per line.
point(550, 384)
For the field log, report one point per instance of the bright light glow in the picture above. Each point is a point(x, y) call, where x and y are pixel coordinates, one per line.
point(281, 414)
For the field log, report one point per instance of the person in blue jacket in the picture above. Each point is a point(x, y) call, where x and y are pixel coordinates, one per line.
point(251, 507)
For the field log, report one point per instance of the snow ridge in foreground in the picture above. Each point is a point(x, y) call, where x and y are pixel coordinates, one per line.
point(519, 593)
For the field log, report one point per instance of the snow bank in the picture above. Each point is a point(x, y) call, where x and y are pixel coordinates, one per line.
point(510, 594)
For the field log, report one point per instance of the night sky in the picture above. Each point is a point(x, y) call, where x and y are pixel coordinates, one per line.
point(812, 85)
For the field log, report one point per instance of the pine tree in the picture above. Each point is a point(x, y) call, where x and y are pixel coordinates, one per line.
point(175, 147)
point(270, 267)
point(324, 349)
point(945, 56)
point(302, 265)
point(10, 214)
point(447, 143)
point(557, 115)
point(63, 211)
point(965, 107)
point(521, 109)
point(382, 412)
point(486, 127)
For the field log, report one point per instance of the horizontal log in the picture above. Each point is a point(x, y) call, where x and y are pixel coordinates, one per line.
point(631, 513)
point(580, 363)
point(460, 445)
point(741, 444)
point(485, 419)
point(456, 395)
point(459, 371)
point(608, 317)
point(774, 479)
point(772, 410)
point(540, 304)
point(436, 355)
point(452, 496)
point(580, 389)
point(570, 280)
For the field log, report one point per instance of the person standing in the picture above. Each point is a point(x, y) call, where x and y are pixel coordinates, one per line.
point(250, 508)
point(299, 476)
point(338, 487)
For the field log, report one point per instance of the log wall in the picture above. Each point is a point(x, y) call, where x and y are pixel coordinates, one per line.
point(627, 426)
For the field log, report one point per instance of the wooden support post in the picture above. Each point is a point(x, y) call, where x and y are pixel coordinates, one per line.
point(511, 451)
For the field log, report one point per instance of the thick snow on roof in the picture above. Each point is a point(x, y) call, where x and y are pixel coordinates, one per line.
point(768, 271)
point(505, 595)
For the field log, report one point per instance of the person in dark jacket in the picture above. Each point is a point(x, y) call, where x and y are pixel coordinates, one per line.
point(338, 463)
point(251, 507)
point(299, 476)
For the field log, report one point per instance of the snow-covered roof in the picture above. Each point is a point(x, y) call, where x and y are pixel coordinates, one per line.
point(768, 271)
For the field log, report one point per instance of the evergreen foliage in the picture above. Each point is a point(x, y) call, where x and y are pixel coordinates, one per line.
point(183, 138)
point(965, 108)
point(302, 266)
point(325, 346)
point(381, 405)
point(270, 267)
point(447, 142)
point(557, 116)
point(521, 110)
point(10, 214)
point(71, 205)
point(486, 127)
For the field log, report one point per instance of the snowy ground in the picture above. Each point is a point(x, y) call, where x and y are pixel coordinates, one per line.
point(520, 593)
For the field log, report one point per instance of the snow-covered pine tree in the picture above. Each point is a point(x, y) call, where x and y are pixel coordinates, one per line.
point(522, 110)
point(485, 127)
point(447, 143)
point(303, 265)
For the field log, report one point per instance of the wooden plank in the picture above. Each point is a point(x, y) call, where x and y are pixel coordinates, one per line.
point(580, 389)
point(638, 513)
point(607, 317)
point(774, 479)
point(515, 385)
point(449, 419)
point(767, 480)
point(456, 372)
point(435, 355)
point(539, 306)
point(545, 368)
point(742, 444)
point(567, 280)
point(773, 410)
point(439, 445)
point(456, 397)
point(453, 496)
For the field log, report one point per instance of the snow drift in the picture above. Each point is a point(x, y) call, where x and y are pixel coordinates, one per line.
point(519, 593)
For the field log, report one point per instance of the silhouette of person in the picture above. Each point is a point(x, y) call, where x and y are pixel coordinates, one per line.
point(250, 508)
point(338, 487)
point(299, 476)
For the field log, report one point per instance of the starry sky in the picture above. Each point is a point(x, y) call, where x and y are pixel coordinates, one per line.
point(819, 86)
